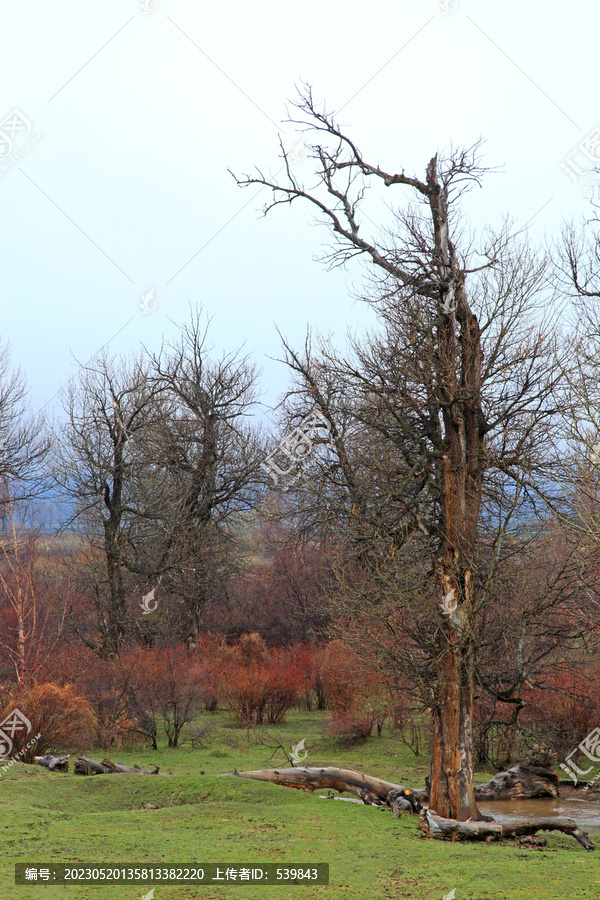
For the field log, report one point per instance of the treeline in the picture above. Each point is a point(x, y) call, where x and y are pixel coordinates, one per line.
point(429, 498)
point(263, 599)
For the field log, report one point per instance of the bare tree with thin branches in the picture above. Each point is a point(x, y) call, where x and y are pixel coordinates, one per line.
point(461, 383)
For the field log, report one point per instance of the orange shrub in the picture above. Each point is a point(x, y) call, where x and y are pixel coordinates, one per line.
point(62, 717)
point(258, 685)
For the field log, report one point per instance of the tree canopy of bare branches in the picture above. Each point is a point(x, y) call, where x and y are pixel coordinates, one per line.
point(437, 419)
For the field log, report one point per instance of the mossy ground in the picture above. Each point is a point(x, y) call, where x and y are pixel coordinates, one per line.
point(62, 818)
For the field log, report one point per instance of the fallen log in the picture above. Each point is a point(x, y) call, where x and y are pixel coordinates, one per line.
point(450, 829)
point(55, 763)
point(372, 791)
point(532, 777)
point(86, 766)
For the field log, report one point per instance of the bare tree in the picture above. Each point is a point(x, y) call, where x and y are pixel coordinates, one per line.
point(24, 442)
point(206, 477)
point(422, 413)
point(160, 466)
point(578, 257)
point(32, 612)
point(107, 406)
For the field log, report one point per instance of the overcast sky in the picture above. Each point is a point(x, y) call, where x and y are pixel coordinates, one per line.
point(141, 111)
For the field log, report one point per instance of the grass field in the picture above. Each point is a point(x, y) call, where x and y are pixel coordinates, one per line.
point(49, 817)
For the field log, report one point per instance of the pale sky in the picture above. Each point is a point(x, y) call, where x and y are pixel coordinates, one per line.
point(141, 113)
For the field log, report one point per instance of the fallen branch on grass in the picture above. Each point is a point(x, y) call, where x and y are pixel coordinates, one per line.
point(55, 763)
point(86, 766)
point(371, 790)
point(450, 829)
point(532, 777)
point(377, 792)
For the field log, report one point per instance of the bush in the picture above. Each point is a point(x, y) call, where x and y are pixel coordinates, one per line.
point(105, 687)
point(354, 693)
point(348, 731)
point(63, 718)
point(561, 716)
point(164, 686)
point(259, 686)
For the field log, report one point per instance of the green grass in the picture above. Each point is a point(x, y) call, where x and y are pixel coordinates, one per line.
point(62, 818)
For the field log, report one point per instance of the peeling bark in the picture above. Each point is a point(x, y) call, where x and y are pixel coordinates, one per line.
point(484, 830)
point(372, 791)
point(530, 778)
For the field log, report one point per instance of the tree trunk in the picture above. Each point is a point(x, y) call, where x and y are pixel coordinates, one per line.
point(452, 788)
point(86, 766)
point(372, 791)
point(458, 380)
point(117, 622)
point(532, 777)
point(54, 763)
point(451, 829)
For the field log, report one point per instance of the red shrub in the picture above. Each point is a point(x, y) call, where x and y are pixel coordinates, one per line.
point(62, 717)
point(348, 731)
point(355, 694)
point(104, 686)
point(560, 716)
point(259, 686)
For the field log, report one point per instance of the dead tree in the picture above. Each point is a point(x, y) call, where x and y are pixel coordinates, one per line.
point(450, 829)
point(531, 777)
point(372, 791)
point(520, 782)
point(427, 399)
point(528, 779)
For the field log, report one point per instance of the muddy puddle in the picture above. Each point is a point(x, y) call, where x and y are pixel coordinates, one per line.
point(585, 812)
